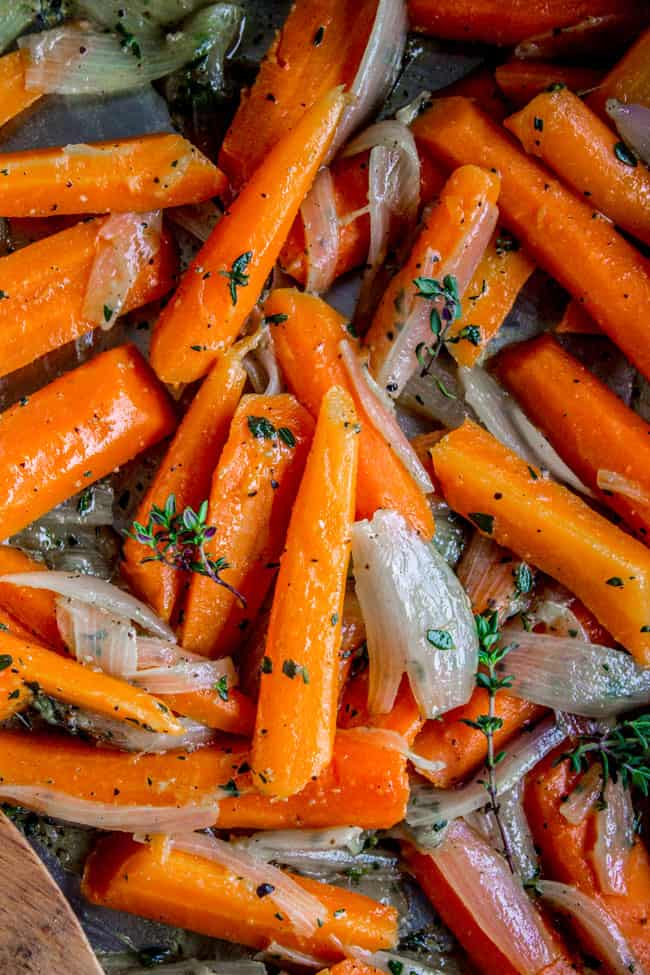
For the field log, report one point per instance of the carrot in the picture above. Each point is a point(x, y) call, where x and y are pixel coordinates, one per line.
point(584, 152)
point(404, 718)
point(588, 425)
point(296, 710)
point(350, 967)
point(591, 39)
point(14, 97)
point(49, 450)
point(522, 80)
point(365, 785)
point(481, 87)
point(223, 283)
point(191, 892)
point(565, 852)
point(576, 319)
point(235, 715)
point(484, 20)
point(35, 609)
point(140, 174)
point(37, 316)
point(319, 47)
point(307, 348)
point(185, 472)
point(629, 79)
point(15, 695)
point(562, 233)
point(548, 526)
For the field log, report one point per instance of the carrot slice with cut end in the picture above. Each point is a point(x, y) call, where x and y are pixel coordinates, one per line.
point(628, 81)
point(576, 319)
point(520, 81)
point(14, 97)
point(35, 609)
point(350, 967)
point(404, 717)
point(235, 714)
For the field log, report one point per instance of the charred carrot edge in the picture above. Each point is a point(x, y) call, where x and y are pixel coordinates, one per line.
point(628, 81)
point(584, 152)
point(140, 174)
point(589, 426)
point(565, 852)
point(576, 319)
point(306, 335)
point(191, 892)
point(185, 471)
point(36, 318)
point(223, 283)
point(50, 451)
point(520, 80)
point(562, 233)
point(319, 47)
point(35, 609)
point(299, 683)
point(548, 526)
point(404, 717)
point(364, 785)
point(14, 97)
point(253, 490)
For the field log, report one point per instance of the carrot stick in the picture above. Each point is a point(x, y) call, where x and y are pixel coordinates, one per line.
point(365, 785)
point(588, 425)
point(350, 967)
point(37, 317)
point(191, 892)
point(548, 526)
point(629, 79)
point(35, 609)
point(15, 695)
point(576, 319)
point(235, 715)
point(307, 347)
point(185, 472)
point(14, 97)
point(584, 152)
point(296, 710)
point(145, 173)
point(404, 717)
point(520, 80)
point(319, 47)
point(592, 39)
point(253, 490)
point(481, 87)
point(562, 233)
point(223, 283)
point(49, 451)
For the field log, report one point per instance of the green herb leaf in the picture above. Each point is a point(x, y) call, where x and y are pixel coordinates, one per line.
point(625, 155)
point(221, 687)
point(441, 639)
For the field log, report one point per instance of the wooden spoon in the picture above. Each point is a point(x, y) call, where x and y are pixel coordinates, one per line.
point(39, 933)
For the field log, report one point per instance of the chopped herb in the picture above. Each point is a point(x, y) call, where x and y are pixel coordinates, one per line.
point(506, 243)
point(533, 473)
point(645, 629)
point(221, 687)
point(5, 661)
point(264, 890)
point(128, 42)
point(318, 37)
point(108, 313)
point(152, 957)
point(615, 581)
point(351, 330)
point(443, 389)
point(339, 912)
point(395, 967)
point(482, 521)
point(469, 333)
point(334, 619)
point(622, 751)
point(3, 294)
point(556, 86)
point(230, 788)
point(538, 124)
point(274, 319)
point(261, 428)
point(86, 501)
point(267, 665)
point(523, 579)
point(285, 434)
point(237, 276)
point(290, 669)
point(625, 155)
point(441, 639)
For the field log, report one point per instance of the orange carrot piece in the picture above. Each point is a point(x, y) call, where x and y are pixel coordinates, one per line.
point(562, 233)
point(404, 717)
point(559, 128)
point(307, 347)
point(319, 47)
point(35, 609)
point(296, 710)
point(49, 450)
point(350, 967)
point(253, 490)
point(591, 39)
point(140, 174)
point(14, 97)
point(629, 79)
point(191, 892)
point(589, 426)
point(37, 316)
point(481, 87)
point(576, 319)
point(186, 472)
point(223, 283)
point(15, 696)
point(548, 526)
point(236, 715)
point(520, 81)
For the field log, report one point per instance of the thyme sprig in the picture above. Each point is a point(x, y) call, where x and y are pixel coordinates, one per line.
point(623, 752)
point(445, 310)
point(237, 276)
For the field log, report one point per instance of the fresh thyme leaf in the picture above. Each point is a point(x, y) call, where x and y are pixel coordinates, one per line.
point(523, 579)
point(625, 155)
point(623, 752)
point(287, 437)
point(261, 427)
point(221, 687)
point(440, 639)
point(274, 319)
point(237, 276)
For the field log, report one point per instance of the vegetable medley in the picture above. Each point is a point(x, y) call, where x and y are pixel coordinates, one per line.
point(325, 482)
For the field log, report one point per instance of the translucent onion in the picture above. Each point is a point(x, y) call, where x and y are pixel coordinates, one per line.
point(185, 677)
point(633, 124)
point(614, 821)
point(97, 638)
point(322, 235)
point(129, 738)
point(17, 16)
point(450, 535)
point(617, 484)
point(198, 219)
point(192, 966)
point(515, 826)
point(486, 572)
point(584, 797)
point(606, 940)
point(275, 952)
point(410, 599)
point(559, 620)
point(133, 16)
point(271, 844)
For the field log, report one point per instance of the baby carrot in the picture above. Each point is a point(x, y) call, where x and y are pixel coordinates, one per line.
point(14, 97)
point(584, 152)
point(185, 471)
point(49, 449)
point(223, 283)
point(576, 319)
point(35, 609)
point(235, 714)
point(629, 79)
point(404, 717)
point(588, 425)
point(562, 233)
point(37, 316)
point(481, 87)
point(307, 333)
point(296, 710)
point(520, 80)
point(15, 695)
point(253, 490)
point(140, 174)
point(548, 526)
point(350, 967)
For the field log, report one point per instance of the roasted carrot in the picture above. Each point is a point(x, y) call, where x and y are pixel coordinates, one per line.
point(191, 892)
point(481, 87)
point(235, 714)
point(15, 695)
point(562, 233)
point(584, 152)
point(520, 80)
point(548, 526)
point(404, 717)
point(223, 283)
point(14, 97)
point(140, 174)
point(589, 426)
point(44, 287)
point(350, 967)
point(306, 335)
point(592, 39)
point(253, 490)
point(50, 450)
point(185, 471)
point(629, 79)
point(296, 710)
point(576, 319)
point(565, 852)
point(319, 47)
point(364, 785)
point(35, 609)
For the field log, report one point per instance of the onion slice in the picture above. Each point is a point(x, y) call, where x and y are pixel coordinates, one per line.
point(584, 797)
point(386, 738)
point(97, 638)
point(271, 844)
point(186, 677)
point(487, 573)
point(633, 124)
point(322, 235)
point(515, 826)
point(614, 821)
point(617, 484)
point(129, 738)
